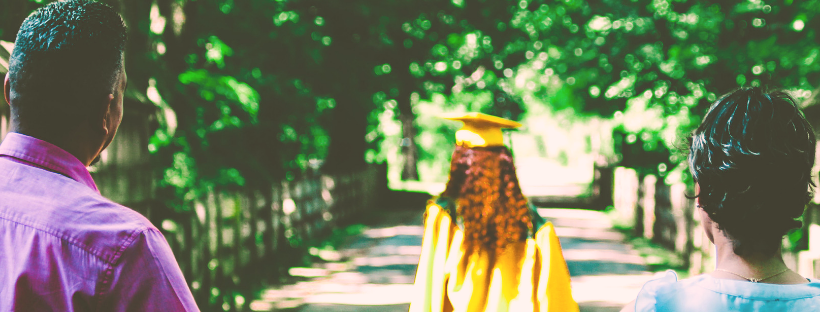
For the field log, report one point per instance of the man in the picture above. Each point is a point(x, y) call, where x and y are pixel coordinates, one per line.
point(64, 247)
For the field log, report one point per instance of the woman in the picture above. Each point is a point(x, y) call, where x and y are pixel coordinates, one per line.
point(484, 247)
point(751, 159)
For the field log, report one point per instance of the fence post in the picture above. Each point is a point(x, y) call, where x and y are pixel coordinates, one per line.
point(218, 247)
point(215, 235)
point(682, 208)
point(200, 250)
point(702, 259)
point(665, 227)
point(625, 195)
point(648, 204)
point(807, 259)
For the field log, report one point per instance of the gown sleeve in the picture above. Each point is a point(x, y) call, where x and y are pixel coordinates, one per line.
point(431, 274)
point(553, 292)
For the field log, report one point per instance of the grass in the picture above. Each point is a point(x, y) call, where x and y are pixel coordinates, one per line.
point(340, 236)
point(352, 227)
point(657, 257)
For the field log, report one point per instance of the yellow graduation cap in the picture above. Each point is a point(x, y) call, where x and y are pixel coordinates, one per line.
point(481, 130)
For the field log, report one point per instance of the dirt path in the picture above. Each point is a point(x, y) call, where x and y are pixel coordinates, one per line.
point(380, 264)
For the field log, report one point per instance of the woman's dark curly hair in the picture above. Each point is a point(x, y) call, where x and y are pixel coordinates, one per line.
point(488, 198)
point(752, 158)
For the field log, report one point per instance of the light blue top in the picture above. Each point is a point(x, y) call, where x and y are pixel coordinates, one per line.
point(706, 293)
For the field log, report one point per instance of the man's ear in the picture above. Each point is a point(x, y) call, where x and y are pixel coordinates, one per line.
point(105, 113)
point(7, 89)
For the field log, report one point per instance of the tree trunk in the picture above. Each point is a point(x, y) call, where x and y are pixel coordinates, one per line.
point(347, 143)
point(409, 149)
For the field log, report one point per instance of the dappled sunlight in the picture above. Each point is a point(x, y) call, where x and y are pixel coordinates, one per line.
point(567, 232)
point(581, 223)
point(386, 261)
point(571, 213)
point(308, 272)
point(380, 274)
point(368, 294)
point(614, 289)
point(605, 272)
point(257, 130)
point(335, 293)
point(397, 250)
point(597, 254)
point(394, 231)
point(259, 305)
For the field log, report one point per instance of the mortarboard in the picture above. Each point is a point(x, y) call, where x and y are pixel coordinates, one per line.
point(480, 130)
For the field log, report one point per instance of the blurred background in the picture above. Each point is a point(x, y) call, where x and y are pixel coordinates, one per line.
point(286, 148)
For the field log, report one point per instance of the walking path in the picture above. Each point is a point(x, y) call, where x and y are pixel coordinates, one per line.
point(606, 273)
point(375, 270)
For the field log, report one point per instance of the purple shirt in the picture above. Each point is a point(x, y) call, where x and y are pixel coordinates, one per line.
point(65, 247)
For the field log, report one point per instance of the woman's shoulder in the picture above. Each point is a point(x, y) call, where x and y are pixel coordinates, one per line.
point(669, 291)
point(661, 284)
point(440, 208)
point(442, 204)
point(664, 288)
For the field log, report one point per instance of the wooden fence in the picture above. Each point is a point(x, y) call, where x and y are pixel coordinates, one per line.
point(230, 243)
point(663, 213)
point(227, 243)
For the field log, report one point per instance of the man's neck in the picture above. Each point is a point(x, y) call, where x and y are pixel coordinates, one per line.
point(69, 141)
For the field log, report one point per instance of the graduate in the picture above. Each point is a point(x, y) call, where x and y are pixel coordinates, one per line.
point(485, 247)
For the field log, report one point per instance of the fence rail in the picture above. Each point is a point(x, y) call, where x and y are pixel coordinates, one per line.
point(228, 243)
point(662, 213)
point(233, 242)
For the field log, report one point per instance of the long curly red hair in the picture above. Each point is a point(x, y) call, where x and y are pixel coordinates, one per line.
point(488, 198)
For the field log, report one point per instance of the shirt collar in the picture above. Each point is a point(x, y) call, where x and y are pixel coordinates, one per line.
point(47, 156)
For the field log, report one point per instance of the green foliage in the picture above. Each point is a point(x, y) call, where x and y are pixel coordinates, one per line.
point(235, 92)
point(653, 67)
point(791, 243)
point(252, 92)
point(264, 90)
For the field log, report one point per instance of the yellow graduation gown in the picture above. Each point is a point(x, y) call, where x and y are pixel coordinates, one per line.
point(528, 276)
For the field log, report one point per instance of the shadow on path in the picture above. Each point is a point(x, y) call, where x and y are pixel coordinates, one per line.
point(378, 267)
point(606, 272)
point(375, 273)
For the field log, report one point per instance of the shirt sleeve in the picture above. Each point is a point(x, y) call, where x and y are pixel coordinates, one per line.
point(146, 277)
point(647, 297)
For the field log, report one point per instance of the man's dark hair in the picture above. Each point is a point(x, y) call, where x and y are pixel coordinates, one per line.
point(752, 158)
point(66, 55)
